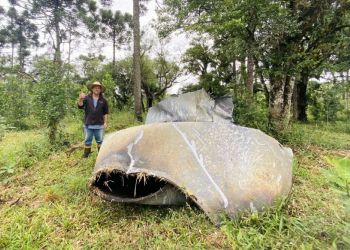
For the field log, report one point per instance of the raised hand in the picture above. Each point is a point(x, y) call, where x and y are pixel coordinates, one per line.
point(82, 95)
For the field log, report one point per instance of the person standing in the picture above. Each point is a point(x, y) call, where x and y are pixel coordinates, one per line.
point(96, 116)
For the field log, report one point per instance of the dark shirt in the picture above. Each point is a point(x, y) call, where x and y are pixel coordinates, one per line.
point(94, 116)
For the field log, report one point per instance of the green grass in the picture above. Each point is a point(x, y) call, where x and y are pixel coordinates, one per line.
point(328, 136)
point(48, 204)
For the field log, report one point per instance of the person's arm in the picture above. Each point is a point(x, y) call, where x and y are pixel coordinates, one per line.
point(81, 100)
point(105, 114)
point(105, 121)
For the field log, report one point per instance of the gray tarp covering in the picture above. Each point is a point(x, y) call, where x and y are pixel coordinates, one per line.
point(218, 165)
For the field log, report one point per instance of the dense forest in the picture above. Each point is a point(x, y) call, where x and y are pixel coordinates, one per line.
point(285, 63)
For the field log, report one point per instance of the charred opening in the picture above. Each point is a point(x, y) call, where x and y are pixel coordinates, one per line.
point(132, 186)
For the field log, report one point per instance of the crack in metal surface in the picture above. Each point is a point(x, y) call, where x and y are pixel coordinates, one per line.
point(130, 147)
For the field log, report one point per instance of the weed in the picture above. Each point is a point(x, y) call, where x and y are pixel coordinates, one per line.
point(7, 169)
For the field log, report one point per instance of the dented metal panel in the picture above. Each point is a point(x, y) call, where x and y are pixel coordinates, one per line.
point(218, 165)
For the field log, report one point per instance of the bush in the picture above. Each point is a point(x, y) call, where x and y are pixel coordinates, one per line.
point(53, 96)
point(15, 104)
point(210, 84)
point(250, 111)
point(325, 101)
point(109, 84)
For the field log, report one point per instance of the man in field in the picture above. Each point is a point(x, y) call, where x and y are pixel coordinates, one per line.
point(96, 115)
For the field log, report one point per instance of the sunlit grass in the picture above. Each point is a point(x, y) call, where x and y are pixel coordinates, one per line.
point(329, 136)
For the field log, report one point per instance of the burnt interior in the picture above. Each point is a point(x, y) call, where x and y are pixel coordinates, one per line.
point(124, 185)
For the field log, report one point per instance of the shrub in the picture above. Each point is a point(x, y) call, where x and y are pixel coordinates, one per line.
point(250, 111)
point(52, 96)
point(15, 104)
point(325, 101)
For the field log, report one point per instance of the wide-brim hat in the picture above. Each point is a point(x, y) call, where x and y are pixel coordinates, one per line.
point(91, 85)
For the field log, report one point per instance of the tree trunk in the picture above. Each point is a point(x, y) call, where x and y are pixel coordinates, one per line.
point(57, 47)
point(234, 72)
point(137, 61)
point(262, 82)
point(300, 98)
point(12, 46)
point(149, 102)
point(52, 132)
point(142, 104)
point(347, 95)
point(114, 44)
point(243, 71)
point(250, 73)
point(21, 56)
point(148, 94)
point(295, 101)
point(69, 46)
point(280, 103)
point(12, 54)
point(21, 50)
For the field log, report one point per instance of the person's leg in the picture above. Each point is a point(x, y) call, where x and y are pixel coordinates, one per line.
point(98, 133)
point(88, 133)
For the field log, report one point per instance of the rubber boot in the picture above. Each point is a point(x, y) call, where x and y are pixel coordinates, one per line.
point(98, 147)
point(87, 151)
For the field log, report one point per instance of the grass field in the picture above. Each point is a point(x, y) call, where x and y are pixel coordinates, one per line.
point(45, 202)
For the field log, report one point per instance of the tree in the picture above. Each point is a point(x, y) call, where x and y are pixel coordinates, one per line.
point(271, 32)
point(14, 103)
point(122, 74)
point(60, 17)
point(91, 65)
point(2, 28)
point(213, 67)
point(321, 32)
point(198, 58)
point(109, 84)
point(137, 61)
point(116, 27)
point(21, 31)
point(157, 76)
point(52, 96)
point(324, 101)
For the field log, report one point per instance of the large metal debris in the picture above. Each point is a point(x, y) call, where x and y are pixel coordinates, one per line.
point(191, 107)
point(218, 165)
